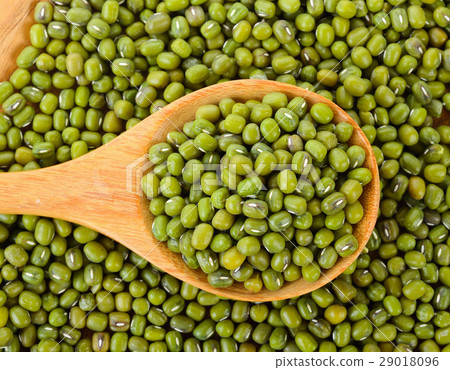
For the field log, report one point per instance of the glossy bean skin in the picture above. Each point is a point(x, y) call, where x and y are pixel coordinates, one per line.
point(394, 99)
point(252, 212)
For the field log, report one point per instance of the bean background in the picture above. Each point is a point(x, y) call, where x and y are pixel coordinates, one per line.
point(95, 68)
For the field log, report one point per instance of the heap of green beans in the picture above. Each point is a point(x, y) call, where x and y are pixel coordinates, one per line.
point(66, 288)
point(259, 192)
point(387, 63)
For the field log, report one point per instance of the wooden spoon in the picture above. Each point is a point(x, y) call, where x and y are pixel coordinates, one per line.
point(101, 190)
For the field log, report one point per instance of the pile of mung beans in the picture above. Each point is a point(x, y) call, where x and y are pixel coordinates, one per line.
point(95, 68)
point(277, 187)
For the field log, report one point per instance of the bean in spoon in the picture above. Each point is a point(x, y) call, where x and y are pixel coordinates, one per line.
point(101, 190)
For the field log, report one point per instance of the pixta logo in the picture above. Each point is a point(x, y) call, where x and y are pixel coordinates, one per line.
point(197, 175)
point(135, 171)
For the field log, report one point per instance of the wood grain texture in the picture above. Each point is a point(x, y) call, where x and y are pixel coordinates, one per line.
point(101, 189)
point(16, 19)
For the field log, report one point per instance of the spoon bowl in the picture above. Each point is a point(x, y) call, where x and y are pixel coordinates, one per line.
point(101, 190)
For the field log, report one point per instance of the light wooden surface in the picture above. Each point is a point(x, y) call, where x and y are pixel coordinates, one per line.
point(16, 19)
point(97, 190)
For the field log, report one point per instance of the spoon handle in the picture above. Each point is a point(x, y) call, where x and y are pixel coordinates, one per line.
point(68, 190)
point(89, 190)
point(100, 190)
